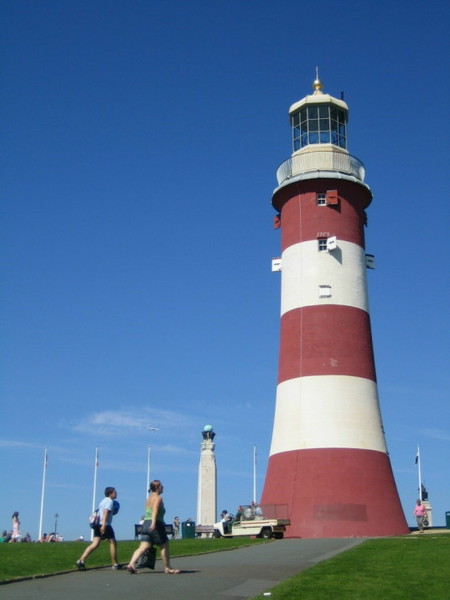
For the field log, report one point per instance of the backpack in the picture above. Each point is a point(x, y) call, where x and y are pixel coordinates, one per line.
point(116, 507)
point(147, 560)
point(94, 519)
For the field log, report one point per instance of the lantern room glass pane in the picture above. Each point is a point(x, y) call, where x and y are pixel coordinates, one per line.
point(320, 124)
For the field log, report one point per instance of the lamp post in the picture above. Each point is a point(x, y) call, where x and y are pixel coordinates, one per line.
point(149, 454)
point(56, 523)
point(254, 474)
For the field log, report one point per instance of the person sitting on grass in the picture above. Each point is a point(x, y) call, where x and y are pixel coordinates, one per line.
point(5, 537)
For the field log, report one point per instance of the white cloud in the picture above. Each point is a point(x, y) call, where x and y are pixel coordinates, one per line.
point(136, 420)
point(436, 434)
point(18, 444)
point(169, 449)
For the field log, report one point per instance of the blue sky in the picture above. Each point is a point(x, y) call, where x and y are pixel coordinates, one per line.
point(140, 142)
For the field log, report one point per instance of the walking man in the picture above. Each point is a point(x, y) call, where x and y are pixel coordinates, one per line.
point(103, 531)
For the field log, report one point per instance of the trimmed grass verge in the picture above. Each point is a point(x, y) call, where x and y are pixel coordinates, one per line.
point(32, 560)
point(401, 568)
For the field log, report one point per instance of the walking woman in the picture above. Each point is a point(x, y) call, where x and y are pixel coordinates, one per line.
point(154, 530)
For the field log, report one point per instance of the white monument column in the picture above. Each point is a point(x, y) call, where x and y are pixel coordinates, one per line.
point(207, 480)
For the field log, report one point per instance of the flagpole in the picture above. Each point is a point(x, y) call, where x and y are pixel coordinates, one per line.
point(419, 472)
point(254, 473)
point(149, 453)
point(43, 493)
point(94, 494)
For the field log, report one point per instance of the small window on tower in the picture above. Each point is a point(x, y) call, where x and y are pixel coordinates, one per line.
point(322, 244)
point(321, 199)
point(324, 291)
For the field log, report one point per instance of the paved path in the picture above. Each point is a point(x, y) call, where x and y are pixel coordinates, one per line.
point(231, 575)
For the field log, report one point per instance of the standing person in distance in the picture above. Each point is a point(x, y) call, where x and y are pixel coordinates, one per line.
point(420, 512)
point(176, 528)
point(154, 530)
point(106, 509)
point(16, 535)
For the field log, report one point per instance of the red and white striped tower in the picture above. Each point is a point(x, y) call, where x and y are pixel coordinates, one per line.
point(328, 458)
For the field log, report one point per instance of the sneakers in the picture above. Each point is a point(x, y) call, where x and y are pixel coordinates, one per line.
point(116, 567)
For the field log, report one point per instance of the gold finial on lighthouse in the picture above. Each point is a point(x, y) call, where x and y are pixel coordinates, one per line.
point(317, 84)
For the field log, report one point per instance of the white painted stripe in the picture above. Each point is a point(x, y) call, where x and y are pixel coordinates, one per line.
point(305, 270)
point(328, 411)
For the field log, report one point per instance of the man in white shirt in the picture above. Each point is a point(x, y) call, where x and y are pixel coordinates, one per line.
point(104, 531)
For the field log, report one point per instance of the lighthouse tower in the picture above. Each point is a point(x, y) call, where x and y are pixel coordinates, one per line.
point(328, 458)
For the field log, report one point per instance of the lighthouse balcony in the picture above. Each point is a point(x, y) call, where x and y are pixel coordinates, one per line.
point(320, 163)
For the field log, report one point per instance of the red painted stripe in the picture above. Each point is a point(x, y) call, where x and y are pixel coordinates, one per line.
point(336, 492)
point(303, 220)
point(326, 340)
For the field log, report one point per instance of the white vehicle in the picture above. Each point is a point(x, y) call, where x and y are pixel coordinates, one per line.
point(265, 521)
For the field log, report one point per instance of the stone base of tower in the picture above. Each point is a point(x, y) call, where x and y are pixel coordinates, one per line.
point(335, 492)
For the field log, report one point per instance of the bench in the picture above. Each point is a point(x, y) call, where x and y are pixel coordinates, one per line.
point(206, 530)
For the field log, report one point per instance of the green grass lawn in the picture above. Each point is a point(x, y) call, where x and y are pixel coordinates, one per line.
point(28, 560)
point(401, 568)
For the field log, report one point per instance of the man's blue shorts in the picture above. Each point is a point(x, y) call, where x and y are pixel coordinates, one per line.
point(107, 535)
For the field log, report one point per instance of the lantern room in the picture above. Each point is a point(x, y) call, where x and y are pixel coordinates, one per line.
point(318, 119)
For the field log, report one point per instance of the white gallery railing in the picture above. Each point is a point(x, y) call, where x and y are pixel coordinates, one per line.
point(321, 160)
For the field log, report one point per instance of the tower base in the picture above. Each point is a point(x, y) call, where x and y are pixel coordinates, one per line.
point(335, 492)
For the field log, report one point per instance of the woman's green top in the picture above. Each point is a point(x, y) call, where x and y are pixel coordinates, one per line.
point(159, 516)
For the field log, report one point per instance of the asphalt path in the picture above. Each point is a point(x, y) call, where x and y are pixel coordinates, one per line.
point(230, 575)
